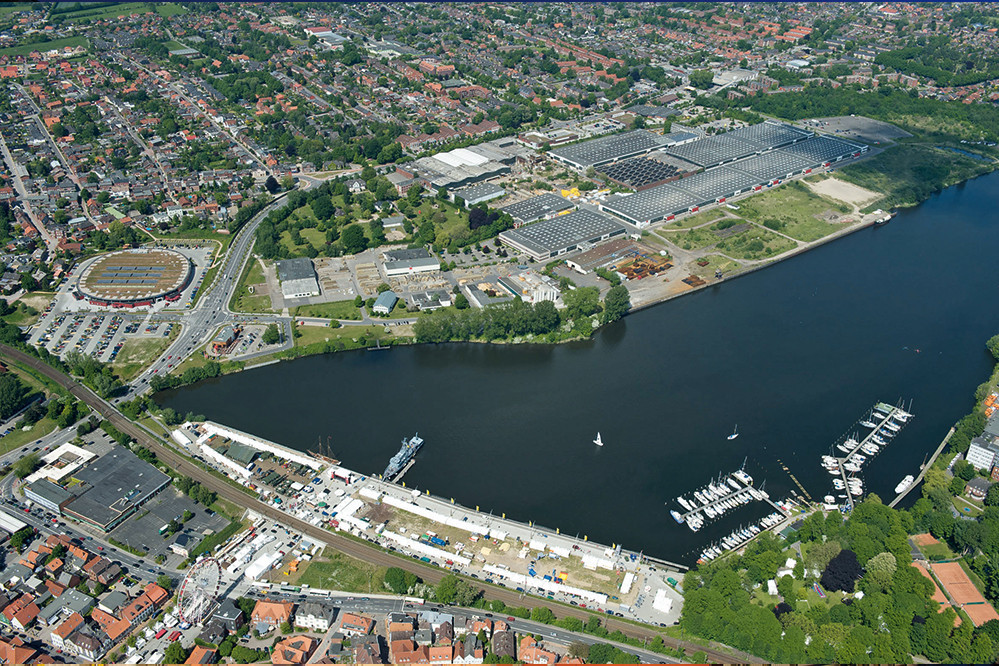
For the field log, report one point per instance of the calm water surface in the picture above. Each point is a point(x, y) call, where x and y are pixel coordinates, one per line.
point(793, 354)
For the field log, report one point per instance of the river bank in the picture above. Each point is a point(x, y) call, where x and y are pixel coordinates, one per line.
point(791, 355)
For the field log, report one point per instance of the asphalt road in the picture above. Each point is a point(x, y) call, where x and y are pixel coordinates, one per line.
point(353, 548)
point(212, 310)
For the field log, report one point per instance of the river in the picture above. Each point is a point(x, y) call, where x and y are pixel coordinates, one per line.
point(793, 354)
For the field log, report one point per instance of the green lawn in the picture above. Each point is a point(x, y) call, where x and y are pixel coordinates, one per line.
point(173, 45)
point(968, 507)
point(692, 239)
point(792, 209)
point(6, 9)
point(19, 438)
point(243, 300)
point(25, 49)
point(334, 310)
point(337, 571)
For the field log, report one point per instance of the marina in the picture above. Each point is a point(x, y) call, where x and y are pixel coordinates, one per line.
point(884, 422)
point(740, 537)
point(712, 501)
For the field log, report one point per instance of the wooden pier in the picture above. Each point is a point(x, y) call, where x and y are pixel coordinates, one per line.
point(734, 495)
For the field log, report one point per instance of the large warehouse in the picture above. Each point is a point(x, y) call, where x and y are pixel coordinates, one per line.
point(461, 167)
point(415, 260)
point(607, 149)
point(298, 278)
point(717, 184)
point(536, 208)
point(550, 238)
point(112, 487)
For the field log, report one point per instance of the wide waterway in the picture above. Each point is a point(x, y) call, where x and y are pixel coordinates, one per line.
point(793, 354)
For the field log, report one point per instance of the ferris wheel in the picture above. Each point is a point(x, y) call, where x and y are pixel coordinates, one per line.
point(199, 591)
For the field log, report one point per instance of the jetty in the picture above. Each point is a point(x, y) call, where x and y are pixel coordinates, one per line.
point(922, 471)
point(889, 421)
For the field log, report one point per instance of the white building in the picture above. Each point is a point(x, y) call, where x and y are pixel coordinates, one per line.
point(982, 453)
point(532, 287)
point(315, 616)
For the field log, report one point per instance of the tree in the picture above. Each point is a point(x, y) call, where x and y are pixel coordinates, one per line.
point(701, 78)
point(964, 469)
point(957, 485)
point(616, 303)
point(353, 239)
point(272, 185)
point(880, 569)
point(272, 335)
point(542, 614)
point(400, 581)
point(461, 302)
point(993, 346)
point(165, 581)
point(841, 572)
point(175, 654)
point(26, 465)
point(992, 495)
point(286, 627)
point(446, 589)
point(12, 393)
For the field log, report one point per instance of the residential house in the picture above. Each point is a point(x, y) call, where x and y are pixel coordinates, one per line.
point(203, 655)
point(59, 635)
point(229, 614)
point(269, 615)
point(294, 650)
point(315, 616)
point(353, 624)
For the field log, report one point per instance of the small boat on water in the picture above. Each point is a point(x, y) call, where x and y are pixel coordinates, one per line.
point(868, 424)
point(676, 516)
point(904, 485)
point(598, 441)
point(684, 503)
point(735, 433)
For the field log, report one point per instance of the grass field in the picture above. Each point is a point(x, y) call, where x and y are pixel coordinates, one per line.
point(334, 310)
point(691, 239)
point(25, 49)
point(694, 220)
point(19, 438)
point(793, 210)
point(937, 551)
point(243, 300)
point(910, 172)
point(123, 9)
point(137, 353)
point(22, 316)
point(715, 262)
point(336, 571)
point(173, 45)
point(755, 244)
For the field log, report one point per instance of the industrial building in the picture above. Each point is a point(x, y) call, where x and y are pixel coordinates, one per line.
point(607, 149)
point(481, 193)
point(298, 278)
point(112, 487)
point(532, 287)
point(403, 262)
point(462, 167)
point(47, 494)
point(385, 302)
point(536, 208)
point(550, 238)
point(716, 184)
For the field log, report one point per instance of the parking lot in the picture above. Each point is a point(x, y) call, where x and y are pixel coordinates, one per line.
point(143, 530)
point(100, 335)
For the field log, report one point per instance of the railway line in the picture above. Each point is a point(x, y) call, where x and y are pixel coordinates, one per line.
point(356, 549)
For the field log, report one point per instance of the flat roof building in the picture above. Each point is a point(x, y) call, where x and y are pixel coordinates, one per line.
point(112, 487)
point(536, 208)
point(481, 193)
point(607, 149)
point(298, 278)
point(550, 238)
point(48, 494)
point(416, 260)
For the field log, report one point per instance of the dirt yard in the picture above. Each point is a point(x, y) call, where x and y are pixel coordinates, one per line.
point(842, 191)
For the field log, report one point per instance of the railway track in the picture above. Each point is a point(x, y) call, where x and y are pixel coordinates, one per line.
point(362, 551)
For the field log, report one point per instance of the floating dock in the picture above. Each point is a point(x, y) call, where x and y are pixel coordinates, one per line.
point(888, 421)
point(713, 501)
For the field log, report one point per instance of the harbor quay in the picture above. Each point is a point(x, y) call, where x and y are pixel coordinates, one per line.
point(525, 557)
